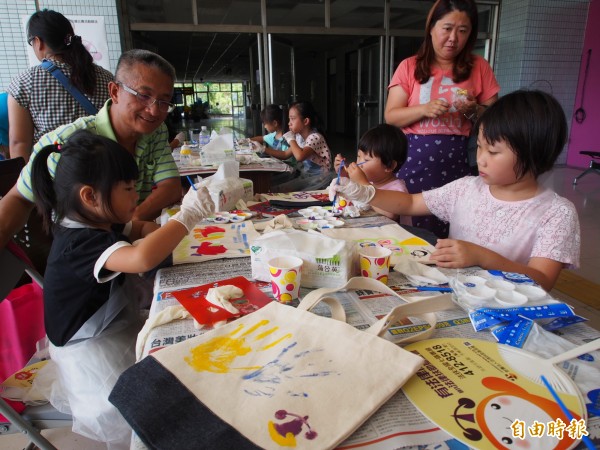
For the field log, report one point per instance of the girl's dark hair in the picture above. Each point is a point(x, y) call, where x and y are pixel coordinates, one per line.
point(272, 113)
point(307, 111)
point(85, 159)
point(57, 33)
point(463, 64)
point(532, 124)
point(386, 142)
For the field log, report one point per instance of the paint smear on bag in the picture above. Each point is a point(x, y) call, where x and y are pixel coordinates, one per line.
point(219, 354)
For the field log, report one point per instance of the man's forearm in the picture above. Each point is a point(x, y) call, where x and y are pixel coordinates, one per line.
point(166, 193)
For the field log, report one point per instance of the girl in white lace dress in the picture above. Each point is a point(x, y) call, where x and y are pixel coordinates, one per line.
point(503, 219)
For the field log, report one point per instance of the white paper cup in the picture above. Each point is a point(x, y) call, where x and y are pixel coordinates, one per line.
point(375, 263)
point(286, 273)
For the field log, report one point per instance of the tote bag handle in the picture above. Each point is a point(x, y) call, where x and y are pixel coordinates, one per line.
point(424, 309)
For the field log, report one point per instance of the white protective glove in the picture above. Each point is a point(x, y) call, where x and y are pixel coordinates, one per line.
point(180, 137)
point(195, 206)
point(289, 136)
point(351, 191)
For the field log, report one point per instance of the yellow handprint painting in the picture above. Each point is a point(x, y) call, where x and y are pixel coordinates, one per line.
point(277, 352)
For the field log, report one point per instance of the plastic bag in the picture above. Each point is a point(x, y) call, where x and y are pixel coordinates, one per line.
point(21, 326)
point(79, 377)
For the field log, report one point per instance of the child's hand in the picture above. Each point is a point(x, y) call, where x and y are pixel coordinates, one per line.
point(453, 253)
point(356, 174)
point(289, 136)
point(195, 206)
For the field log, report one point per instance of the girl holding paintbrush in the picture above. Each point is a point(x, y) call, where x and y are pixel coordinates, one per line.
point(381, 152)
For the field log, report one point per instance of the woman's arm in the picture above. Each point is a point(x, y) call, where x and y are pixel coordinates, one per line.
point(454, 253)
point(398, 113)
point(20, 130)
point(396, 202)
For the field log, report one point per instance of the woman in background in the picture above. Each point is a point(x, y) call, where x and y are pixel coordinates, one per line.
point(436, 96)
point(38, 102)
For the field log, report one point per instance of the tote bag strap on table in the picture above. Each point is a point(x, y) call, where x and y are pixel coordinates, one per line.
point(424, 309)
point(76, 93)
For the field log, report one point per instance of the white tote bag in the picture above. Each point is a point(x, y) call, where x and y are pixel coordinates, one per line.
point(279, 377)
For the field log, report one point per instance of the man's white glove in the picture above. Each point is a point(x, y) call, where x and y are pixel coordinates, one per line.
point(351, 191)
point(195, 206)
point(289, 136)
point(180, 137)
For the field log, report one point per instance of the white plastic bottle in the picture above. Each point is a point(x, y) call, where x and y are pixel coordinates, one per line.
point(185, 154)
point(204, 137)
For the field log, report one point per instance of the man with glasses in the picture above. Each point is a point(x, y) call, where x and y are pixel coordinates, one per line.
point(134, 117)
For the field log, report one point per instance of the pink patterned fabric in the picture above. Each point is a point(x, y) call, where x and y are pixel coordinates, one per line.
point(544, 226)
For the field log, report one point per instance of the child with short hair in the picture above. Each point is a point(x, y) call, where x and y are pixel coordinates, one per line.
point(90, 309)
point(502, 219)
point(381, 152)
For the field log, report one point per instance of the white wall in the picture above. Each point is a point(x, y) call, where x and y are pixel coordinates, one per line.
point(540, 44)
point(13, 46)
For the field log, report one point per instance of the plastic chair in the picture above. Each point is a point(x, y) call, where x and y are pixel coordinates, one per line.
point(13, 263)
point(594, 165)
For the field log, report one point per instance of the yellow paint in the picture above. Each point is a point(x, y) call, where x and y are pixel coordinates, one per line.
point(414, 241)
point(288, 441)
point(218, 354)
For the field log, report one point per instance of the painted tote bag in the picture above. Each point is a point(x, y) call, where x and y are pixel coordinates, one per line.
point(279, 377)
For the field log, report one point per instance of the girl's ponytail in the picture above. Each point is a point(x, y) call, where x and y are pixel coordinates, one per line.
point(42, 185)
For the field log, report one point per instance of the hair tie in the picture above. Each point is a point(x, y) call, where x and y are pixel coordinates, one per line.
point(68, 39)
point(58, 146)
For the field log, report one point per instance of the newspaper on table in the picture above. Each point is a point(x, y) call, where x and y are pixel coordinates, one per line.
point(398, 423)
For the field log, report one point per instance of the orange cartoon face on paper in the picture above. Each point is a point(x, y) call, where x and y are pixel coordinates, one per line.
point(495, 414)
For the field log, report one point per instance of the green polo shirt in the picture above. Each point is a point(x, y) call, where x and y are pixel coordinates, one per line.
point(152, 152)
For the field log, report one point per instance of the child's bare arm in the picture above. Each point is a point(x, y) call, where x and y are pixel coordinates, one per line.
point(156, 246)
point(454, 253)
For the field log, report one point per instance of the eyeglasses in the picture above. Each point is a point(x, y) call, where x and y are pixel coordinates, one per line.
point(148, 101)
point(30, 39)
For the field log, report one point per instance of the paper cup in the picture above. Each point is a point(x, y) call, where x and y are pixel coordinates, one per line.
point(375, 263)
point(286, 274)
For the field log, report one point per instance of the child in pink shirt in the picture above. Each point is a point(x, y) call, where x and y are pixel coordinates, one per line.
point(503, 219)
point(381, 152)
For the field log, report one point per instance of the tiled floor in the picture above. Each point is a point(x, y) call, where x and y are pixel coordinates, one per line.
point(585, 196)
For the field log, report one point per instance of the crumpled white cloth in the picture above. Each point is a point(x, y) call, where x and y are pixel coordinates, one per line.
point(220, 296)
point(278, 223)
point(167, 315)
point(420, 274)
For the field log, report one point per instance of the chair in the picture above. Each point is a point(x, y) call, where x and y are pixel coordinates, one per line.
point(9, 173)
point(13, 263)
point(594, 165)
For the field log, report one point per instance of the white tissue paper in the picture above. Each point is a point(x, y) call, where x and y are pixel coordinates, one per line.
point(226, 187)
point(218, 150)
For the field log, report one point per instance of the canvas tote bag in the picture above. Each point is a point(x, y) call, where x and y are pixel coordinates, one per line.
point(279, 377)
